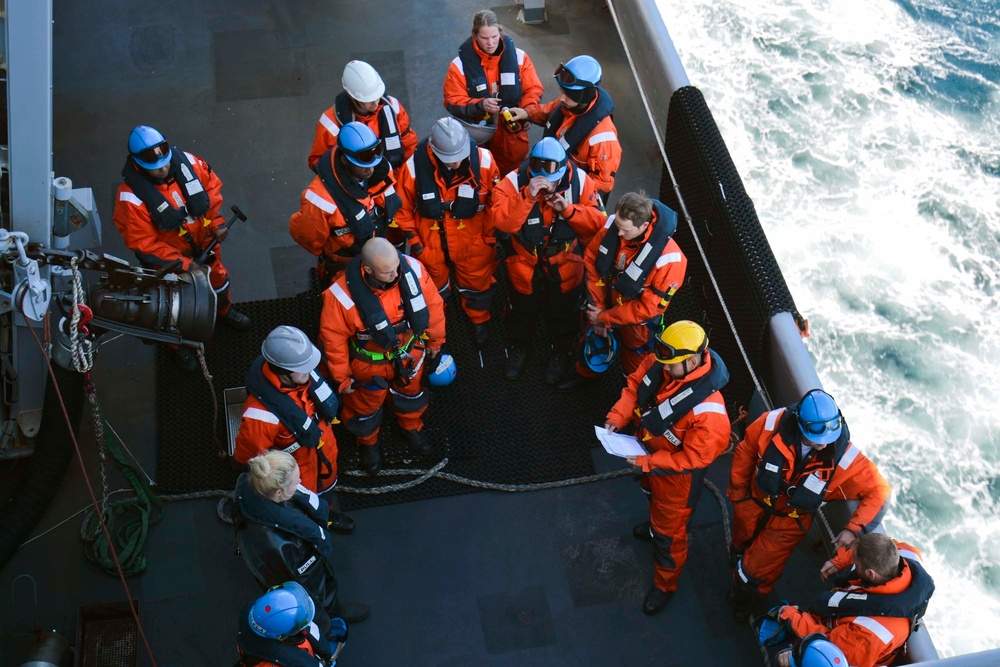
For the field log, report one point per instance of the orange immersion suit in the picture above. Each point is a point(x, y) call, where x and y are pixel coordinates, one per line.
point(868, 638)
point(545, 258)
point(154, 246)
point(391, 114)
point(355, 359)
point(634, 319)
point(509, 148)
point(766, 528)
point(679, 458)
point(465, 242)
point(261, 430)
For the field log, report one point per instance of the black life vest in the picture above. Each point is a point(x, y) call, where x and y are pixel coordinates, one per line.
point(346, 193)
point(475, 76)
point(259, 649)
point(306, 430)
point(584, 125)
point(631, 281)
point(305, 515)
point(429, 203)
point(164, 214)
point(657, 418)
point(388, 126)
point(807, 495)
point(910, 604)
point(533, 234)
point(416, 316)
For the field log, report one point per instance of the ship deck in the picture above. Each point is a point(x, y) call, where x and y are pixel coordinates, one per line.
point(544, 578)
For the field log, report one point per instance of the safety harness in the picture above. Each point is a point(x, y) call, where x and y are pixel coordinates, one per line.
point(657, 418)
point(388, 126)
point(378, 328)
point(429, 205)
point(475, 76)
point(813, 476)
point(256, 649)
point(632, 280)
point(347, 193)
point(850, 600)
point(584, 124)
point(165, 216)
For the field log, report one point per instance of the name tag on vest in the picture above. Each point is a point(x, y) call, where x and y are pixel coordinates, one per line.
point(340, 231)
point(391, 143)
point(291, 448)
point(305, 566)
point(813, 483)
point(506, 78)
point(465, 190)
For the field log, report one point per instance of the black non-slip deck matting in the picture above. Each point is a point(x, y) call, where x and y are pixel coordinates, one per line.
point(489, 428)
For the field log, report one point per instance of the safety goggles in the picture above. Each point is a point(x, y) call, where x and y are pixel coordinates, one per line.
point(367, 155)
point(821, 427)
point(664, 353)
point(539, 166)
point(154, 153)
point(566, 78)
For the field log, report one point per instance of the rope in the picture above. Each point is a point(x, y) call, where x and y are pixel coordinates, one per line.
point(81, 350)
point(220, 451)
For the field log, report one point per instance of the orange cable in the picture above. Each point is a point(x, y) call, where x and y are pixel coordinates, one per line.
point(86, 478)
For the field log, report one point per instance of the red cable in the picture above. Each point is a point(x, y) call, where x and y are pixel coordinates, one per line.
point(86, 479)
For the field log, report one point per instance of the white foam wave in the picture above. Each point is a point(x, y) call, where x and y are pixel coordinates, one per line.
point(880, 200)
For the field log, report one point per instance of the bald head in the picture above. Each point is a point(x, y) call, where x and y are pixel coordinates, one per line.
point(380, 261)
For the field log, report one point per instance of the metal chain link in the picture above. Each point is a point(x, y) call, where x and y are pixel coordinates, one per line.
point(81, 350)
point(95, 414)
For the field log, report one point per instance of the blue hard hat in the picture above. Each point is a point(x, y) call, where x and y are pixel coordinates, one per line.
point(599, 352)
point(548, 159)
point(359, 144)
point(282, 611)
point(445, 372)
point(148, 147)
point(771, 632)
point(816, 650)
point(819, 417)
point(579, 73)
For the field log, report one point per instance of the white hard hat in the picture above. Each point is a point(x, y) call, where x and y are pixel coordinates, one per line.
point(450, 140)
point(362, 82)
point(289, 348)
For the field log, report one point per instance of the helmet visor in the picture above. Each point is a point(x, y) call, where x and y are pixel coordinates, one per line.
point(821, 427)
point(367, 155)
point(564, 77)
point(666, 354)
point(154, 153)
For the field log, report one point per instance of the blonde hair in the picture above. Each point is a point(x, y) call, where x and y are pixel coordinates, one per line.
point(485, 19)
point(635, 206)
point(270, 472)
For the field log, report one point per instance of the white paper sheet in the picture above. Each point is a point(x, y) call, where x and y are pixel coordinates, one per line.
point(618, 444)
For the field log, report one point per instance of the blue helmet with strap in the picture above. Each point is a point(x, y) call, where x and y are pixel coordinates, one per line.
point(548, 159)
point(579, 73)
point(359, 144)
point(819, 417)
point(599, 352)
point(148, 147)
point(445, 372)
point(816, 650)
point(771, 630)
point(282, 611)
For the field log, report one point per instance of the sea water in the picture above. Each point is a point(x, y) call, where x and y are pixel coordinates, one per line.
point(868, 135)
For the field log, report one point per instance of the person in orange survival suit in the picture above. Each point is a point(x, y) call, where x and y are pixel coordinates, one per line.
point(382, 328)
point(634, 267)
point(694, 432)
point(167, 210)
point(351, 199)
point(445, 192)
point(363, 99)
point(581, 120)
point(881, 594)
point(291, 408)
point(790, 461)
point(550, 209)
point(488, 75)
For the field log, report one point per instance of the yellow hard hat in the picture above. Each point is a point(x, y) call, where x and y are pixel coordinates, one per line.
point(679, 341)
